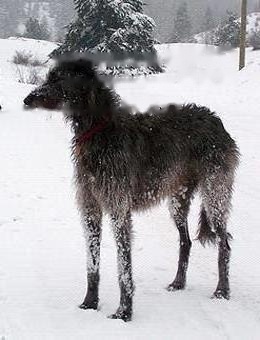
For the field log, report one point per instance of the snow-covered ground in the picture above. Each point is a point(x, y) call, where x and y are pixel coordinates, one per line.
point(42, 257)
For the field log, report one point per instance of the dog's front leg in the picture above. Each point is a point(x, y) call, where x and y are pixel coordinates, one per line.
point(122, 228)
point(91, 221)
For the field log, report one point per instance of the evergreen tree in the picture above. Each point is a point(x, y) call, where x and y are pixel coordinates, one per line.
point(228, 32)
point(79, 31)
point(118, 28)
point(137, 4)
point(43, 11)
point(255, 40)
point(36, 30)
point(46, 34)
point(182, 24)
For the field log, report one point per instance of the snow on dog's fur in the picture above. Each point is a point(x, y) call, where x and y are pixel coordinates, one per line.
point(127, 162)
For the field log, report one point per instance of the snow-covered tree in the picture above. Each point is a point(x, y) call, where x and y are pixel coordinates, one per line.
point(117, 27)
point(46, 34)
point(36, 30)
point(228, 32)
point(182, 24)
point(137, 4)
point(255, 40)
point(45, 14)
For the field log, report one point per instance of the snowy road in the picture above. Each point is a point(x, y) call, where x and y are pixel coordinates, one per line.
point(42, 258)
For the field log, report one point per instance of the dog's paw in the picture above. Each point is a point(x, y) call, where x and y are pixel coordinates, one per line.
point(89, 305)
point(176, 285)
point(221, 294)
point(124, 315)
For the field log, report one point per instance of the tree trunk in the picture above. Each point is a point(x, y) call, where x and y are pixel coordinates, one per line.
point(242, 56)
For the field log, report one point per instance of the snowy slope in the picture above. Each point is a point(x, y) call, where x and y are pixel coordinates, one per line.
point(253, 25)
point(42, 257)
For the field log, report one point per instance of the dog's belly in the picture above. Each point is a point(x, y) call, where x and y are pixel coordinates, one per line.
point(147, 195)
point(147, 199)
point(139, 192)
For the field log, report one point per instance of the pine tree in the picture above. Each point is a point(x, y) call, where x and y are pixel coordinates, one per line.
point(79, 31)
point(228, 32)
point(255, 40)
point(118, 28)
point(43, 11)
point(46, 34)
point(182, 24)
point(36, 30)
point(137, 4)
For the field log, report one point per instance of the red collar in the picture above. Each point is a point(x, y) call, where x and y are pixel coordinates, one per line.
point(93, 131)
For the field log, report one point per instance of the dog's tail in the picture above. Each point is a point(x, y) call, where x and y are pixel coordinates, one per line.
point(205, 233)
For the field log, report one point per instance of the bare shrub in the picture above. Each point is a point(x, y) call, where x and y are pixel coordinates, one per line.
point(28, 75)
point(34, 77)
point(29, 69)
point(26, 58)
point(22, 57)
point(36, 62)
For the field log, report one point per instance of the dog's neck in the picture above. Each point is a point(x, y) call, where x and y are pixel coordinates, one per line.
point(87, 121)
point(86, 117)
point(89, 134)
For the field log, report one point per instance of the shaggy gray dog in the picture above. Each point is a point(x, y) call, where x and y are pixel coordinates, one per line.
point(128, 162)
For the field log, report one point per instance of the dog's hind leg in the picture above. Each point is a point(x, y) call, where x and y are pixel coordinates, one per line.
point(217, 192)
point(91, 216)
point(122, 229)
point(179, 205)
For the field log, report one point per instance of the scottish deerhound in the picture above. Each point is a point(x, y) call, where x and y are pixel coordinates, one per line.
point(128, 162)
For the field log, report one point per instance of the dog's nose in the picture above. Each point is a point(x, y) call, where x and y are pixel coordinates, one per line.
point(29, 100)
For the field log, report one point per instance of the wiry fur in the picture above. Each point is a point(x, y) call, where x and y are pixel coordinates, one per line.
point(137, 161)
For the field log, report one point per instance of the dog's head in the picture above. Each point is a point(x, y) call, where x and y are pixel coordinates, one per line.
point(68, 81)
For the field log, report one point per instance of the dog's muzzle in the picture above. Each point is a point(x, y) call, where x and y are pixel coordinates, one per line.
point(28, 101)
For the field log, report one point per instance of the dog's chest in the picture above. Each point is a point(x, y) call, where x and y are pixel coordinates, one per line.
point(92, 170)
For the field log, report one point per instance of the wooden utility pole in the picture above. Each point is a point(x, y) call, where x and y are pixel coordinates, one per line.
point(242, 56)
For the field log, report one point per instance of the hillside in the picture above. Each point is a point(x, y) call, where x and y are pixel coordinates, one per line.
point(253, 25)
point(42, 256)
